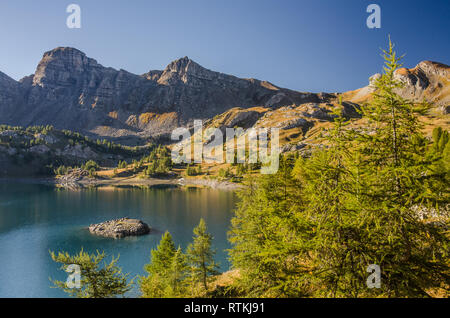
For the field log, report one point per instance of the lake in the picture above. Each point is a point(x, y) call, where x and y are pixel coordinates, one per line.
point(37, 218)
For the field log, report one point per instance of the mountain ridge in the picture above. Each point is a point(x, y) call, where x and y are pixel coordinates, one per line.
point(70, 90)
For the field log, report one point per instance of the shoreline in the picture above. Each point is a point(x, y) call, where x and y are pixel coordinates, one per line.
point(85, 183)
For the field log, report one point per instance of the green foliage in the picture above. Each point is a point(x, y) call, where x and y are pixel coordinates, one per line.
point(225, 173)
point(62, 170)
point(90, 165)
point(166, 271)
point(267, 237)
point(122, 164)
point(192, 171)
point(96, 282)
point(92, 173)
point(201, 256)
point(241, 169)
point(314, 229)
point(170, 271)
point(160, 162)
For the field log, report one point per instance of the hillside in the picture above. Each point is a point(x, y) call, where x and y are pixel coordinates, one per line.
point(301, 125)
point(38, 150)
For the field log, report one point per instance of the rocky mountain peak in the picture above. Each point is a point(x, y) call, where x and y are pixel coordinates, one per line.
point(5, 79)
point(58, 65)
point(434, 68)
point(181, 65)
point(184, 69)
point(427, 80)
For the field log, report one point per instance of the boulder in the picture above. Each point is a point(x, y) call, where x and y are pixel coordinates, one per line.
point(120, 228)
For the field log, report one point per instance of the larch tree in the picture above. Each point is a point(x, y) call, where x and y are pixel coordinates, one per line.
point(166, 271)
point(200, 255)
point(95, 281)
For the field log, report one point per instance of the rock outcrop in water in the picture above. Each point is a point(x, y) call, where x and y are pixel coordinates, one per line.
point(120, 228)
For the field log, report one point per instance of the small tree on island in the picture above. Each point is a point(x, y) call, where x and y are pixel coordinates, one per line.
point(95, 282)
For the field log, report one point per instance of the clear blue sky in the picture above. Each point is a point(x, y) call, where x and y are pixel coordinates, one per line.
point(310, 45)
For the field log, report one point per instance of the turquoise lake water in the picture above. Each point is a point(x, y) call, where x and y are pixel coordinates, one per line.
point(37, 218)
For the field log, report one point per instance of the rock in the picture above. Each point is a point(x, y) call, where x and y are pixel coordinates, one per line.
point(444, 109)
point(427, 80)
point(39, 149)
point(79, 151)
point(120, 228)
point(71, 179)
point(72, 91)
point(317, 111)
point(285, 118)
point(293, 147)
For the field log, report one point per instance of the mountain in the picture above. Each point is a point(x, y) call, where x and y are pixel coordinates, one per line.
point(301, 125)
point(72, 91)
point(428, 80)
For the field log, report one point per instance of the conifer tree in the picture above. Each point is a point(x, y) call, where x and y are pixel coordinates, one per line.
point(397, 175)
point(178, 274)
point(438, 176)
point(267, 236)
point(334, 262)
point(95, 281)
point(351, 205)
point(201, 256)
point(166, 271)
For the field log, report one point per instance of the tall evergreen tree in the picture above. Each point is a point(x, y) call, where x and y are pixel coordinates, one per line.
point(201, 256)
point(396, 178)
point(267, 236)
point(336, 267)
point(348, 206)
point(437, 179)
point(178, 274)
point(166, 271)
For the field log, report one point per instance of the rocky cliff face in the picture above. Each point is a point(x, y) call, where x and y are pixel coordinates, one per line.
point(72, 91)
point(10, 96)
point(428, 80)
point(191, 90)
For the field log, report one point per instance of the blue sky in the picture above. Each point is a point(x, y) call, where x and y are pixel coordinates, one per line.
point(310, 45)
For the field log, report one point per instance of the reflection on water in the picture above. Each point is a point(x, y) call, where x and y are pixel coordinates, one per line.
point(35, 219)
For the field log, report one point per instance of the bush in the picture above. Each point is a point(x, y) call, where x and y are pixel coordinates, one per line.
point(90, 165)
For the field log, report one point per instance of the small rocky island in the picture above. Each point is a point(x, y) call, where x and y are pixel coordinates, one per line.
point(120, 228)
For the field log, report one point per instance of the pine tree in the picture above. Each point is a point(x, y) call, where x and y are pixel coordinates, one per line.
point(350, 205)
point(95, 282)
point(155, 284)
point(166, 271)
point(394, 178)
point(267, 236)
point(178, 274)
point(201, 256)
point(438, 177)
point(334, 262)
